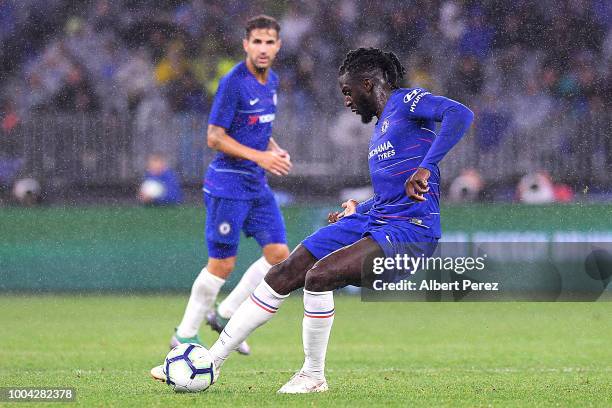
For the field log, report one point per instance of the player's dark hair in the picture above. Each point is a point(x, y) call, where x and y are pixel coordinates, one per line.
point(261, 21)
point(365, 60)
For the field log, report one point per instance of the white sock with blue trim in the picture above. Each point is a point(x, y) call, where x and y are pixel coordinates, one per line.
point(316, 328)
point(249, 281)
point(252, 313)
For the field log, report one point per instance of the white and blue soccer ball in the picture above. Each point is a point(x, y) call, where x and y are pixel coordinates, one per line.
point(189, 368)
point(152, 189)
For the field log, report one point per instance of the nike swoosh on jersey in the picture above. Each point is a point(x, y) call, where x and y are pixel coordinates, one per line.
point(253, 101)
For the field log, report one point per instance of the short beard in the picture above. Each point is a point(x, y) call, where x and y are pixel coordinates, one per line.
point(259, 69)
point(366, 117)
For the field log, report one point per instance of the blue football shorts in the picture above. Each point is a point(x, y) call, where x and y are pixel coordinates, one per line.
point(259, 218)
point(394, 237)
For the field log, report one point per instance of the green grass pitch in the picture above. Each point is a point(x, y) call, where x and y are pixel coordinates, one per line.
point(380, 354)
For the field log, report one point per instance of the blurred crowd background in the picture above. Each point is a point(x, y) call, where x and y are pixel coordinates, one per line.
point(88, 90)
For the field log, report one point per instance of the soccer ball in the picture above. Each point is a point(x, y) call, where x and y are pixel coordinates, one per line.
point(152, 189)
point(27, 191)
point(189, 368)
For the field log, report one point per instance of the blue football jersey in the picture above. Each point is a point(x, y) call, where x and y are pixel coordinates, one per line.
point(245, 109)
point(405, 139)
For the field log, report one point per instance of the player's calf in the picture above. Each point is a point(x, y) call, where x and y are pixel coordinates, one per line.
point(340, 268)
point(263, 303)
point(260, 307)
point(218, 323)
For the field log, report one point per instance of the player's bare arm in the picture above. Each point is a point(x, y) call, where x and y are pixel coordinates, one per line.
point(272, 161)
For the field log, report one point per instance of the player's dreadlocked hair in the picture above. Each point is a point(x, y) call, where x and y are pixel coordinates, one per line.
point(367, 59)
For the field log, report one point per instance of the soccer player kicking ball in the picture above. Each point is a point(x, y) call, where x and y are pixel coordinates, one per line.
point(236, 192)
point(403, 216)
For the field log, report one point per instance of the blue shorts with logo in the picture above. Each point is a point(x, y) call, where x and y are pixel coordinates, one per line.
point(394, 237)
point(259, 218)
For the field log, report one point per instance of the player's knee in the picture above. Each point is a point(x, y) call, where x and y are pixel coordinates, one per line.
point(288, 275)
point(276, 254)
point(320, 278)
point(221, 268)
point(278, 257)
point(279, 279)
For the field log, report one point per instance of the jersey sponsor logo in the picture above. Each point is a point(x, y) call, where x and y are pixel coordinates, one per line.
point(253, 101)
point(417, 99)
point(267, 118)
point(385, 126)
point(224, 228)
point(253, 119)
point(408, 97)
point(383, 151)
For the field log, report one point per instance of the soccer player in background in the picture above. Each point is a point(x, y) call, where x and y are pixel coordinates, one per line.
point(167, 188)
point(403, 217)
point(236, 193)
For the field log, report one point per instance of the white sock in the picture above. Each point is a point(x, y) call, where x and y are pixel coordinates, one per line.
point(252, 313)
point(316, 327)
point(202, 299)
point(249, 281)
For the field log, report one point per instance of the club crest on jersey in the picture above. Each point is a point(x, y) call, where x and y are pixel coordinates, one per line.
point(385, 126)
point(224, 228)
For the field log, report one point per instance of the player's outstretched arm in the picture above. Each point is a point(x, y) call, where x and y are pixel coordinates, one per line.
point(272, 161)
